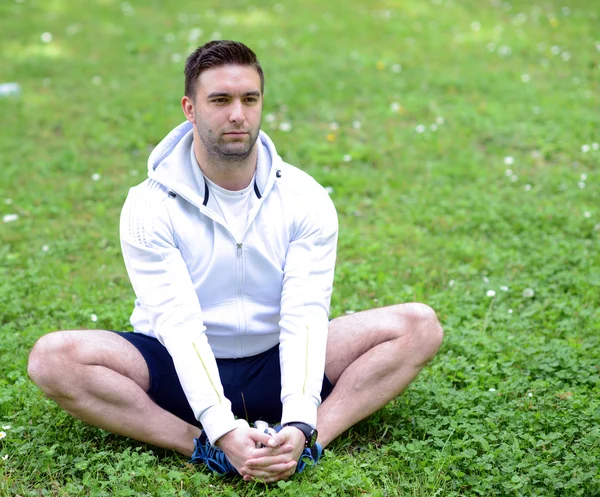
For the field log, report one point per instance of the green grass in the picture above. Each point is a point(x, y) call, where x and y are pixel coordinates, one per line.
point(510, 406)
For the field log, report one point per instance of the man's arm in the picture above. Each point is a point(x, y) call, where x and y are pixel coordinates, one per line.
point(306, 294)
point(166, 292)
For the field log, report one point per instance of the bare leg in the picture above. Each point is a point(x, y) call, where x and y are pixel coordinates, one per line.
point(372, 356)
point(99, 377)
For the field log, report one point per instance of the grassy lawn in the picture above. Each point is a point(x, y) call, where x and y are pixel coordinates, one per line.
point(460, 141)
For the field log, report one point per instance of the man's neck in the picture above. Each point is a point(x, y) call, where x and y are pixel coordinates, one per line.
point(233, 176)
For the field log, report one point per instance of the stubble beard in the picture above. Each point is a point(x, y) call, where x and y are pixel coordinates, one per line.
point(217, 149)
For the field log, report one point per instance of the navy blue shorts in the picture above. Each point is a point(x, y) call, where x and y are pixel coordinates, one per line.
point(252, 384)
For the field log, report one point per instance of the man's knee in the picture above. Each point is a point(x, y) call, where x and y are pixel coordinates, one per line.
point(49, 361)
point(424, 329)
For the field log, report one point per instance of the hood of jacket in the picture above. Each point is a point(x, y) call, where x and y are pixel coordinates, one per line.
point(170, 163)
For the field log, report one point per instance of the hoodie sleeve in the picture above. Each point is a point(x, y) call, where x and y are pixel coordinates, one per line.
point(166, 292)
point(305, 300)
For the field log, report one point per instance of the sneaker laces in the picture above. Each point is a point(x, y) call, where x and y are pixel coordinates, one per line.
point(213, 457)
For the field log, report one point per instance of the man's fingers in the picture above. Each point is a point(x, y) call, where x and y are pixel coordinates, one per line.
point(266, 462)
point(263, 438)
point(268, 451)
point(273, 473)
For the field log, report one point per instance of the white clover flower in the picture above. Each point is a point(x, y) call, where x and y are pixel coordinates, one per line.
point(194, 35)
point(536, 110)
point(486, 279)
point(94, 318)
point(8, 201)
point(420, 128)
point(2, 434)
point(491, 47)
point(566, 11)
point(169, 38)
point(526, 78)
point(587, 214)
point(555, 50)
point(514, 178)
point(529, 394)
point(583, 177)
point(134, 172)
point(395, 106)
point(46, 37)
point(510, 311)
point(595, 146)
point(127, 9)
point(581, 185)
point(597, 227)
point(97, 80)
point(504, 51)
point(96, 177)
point(334, 126)
point(45, 248)
point(176, 58)
point(585, 148)
point(492, 389)
point(508, 160)
point(6, 427)
point(508, 172)
point(285, 127)
point(46, 82)
point(528, 293)
point(475, 25)
point(270, 118)
point(356, 124)
point(527, 187)
point(329, 189)
point(504, 288)
point(433, 127)
point(566, 56)
point(491, 293)
point(347, 158)
point(9, 218)
point(451, 283)
point(439, 120)
point(396, 68)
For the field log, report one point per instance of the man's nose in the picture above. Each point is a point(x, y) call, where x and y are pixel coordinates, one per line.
point(237, 112)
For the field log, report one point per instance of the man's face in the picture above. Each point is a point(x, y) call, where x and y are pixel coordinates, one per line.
point(228, 110)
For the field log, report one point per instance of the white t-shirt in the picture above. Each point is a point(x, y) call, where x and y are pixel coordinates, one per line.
point(234, 206)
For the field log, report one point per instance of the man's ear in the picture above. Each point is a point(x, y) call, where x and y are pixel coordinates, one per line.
point(187, 105)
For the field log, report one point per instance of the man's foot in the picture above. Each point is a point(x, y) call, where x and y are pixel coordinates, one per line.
point(212, 456)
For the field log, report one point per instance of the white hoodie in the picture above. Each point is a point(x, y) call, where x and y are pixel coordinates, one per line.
point(203, 294)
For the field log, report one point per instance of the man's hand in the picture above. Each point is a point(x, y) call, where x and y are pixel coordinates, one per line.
point(239, 444)
point(276, 461)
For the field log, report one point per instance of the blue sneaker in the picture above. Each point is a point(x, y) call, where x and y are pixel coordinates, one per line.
point(212, 456)
point(311, 455)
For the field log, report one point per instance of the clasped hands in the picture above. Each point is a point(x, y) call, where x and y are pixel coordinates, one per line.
point(275, 461)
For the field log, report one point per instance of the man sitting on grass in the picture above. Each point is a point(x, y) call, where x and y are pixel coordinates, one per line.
point(231, 254)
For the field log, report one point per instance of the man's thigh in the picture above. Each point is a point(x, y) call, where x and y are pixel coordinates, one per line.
point(94, 348)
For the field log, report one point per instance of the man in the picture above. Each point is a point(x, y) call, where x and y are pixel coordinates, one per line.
point(231, 254)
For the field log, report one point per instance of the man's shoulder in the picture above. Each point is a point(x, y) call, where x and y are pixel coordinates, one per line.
point(296, 181)
point(148, 190)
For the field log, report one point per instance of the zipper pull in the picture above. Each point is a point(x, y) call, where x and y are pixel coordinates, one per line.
point(239, 249)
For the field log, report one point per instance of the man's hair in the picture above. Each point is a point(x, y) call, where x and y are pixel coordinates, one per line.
point(218, 53)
